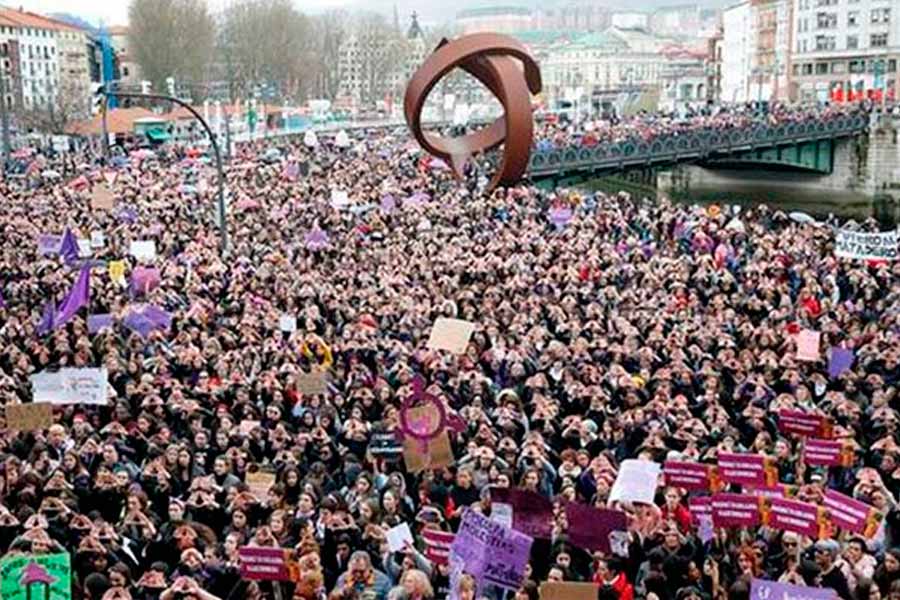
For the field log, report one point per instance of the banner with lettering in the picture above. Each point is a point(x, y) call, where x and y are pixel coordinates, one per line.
point(787, 514)
point(753, 470)
point(700, 508)
point(805, 424)
point(851, 514)
point(827, 453)
point(761, 589)
point(490, 552)
point(735, 510)
point(872, 246)
point(688, 475)
point(264, 564)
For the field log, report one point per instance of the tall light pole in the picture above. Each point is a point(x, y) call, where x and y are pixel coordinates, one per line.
point(4, 115)
point(223, 228)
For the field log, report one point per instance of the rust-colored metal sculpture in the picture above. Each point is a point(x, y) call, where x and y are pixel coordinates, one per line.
point(506, 68)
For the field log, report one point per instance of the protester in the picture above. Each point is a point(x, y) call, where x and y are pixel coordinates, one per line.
point(634, 329)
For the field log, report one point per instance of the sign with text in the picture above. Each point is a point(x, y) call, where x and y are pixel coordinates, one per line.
point(688, 475)
point(851, 514)
point(490, 552)
point(787, 514)
point(735, 510)
point(872, 246)
point(747, 469)
point(71, 386)
point(803, 423)
point(312, 384)
point(264, 564)
point(143, 250)
point(568, 590)
point(761, 589)
point(259, 484)
point(827, 453)
point(635, 482)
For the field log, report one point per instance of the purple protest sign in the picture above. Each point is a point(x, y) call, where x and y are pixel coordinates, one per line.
point(316, 239)
point(700, 508)
point(99, 321)
point(762, 589)
point(147, 318)
point(840, 360)
point(735, 510)
point(128, 215)
point(388, 203)
point(491, 552)
point(851, 514)
point(263, 564)
point(144, 279)
point(560, 216)
point(532, 512)
point(746, 469)
point(687, 475)
point(48, 244)
point(793, 515)
point(593, 528)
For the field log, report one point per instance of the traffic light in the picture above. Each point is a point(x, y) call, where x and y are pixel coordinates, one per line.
point(97, 96)
point(145, 86)
point(170, 86)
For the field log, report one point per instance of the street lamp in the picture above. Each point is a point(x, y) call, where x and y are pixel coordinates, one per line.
point(223, 229)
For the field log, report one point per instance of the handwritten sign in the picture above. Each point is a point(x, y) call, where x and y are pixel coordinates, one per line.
point(635, 482)
point(808, 345)
point(312, 384)
point(490, 552)
point(29, 417)
point(568, 590)
point(71, 386)
point(872, 246)
point(259, 484)
point(452, 335)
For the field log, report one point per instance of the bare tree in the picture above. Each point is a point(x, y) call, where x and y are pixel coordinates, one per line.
point(268, 42)
point(329, 33)
point(380, 51)
point(171, 38)
point(68, 104)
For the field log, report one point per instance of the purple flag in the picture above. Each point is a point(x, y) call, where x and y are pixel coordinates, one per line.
point(840, 360)
point(69, 247)
point(316, 239)
point(560, 216)
point(100, 321)
point(48, 319)
point(592, 528)
point(762, 589)
point(78, 297)
point(145, 319)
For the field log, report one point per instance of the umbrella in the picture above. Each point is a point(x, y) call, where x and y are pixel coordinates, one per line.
point(801, 217)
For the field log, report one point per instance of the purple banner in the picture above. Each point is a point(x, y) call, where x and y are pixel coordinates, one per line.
point(762, 589)
point(794, 515)
point(532, 513)
point(745, 469)
point(592, 528)
point(263, 564)
point(490, 552)
point(848, 513)
point(100, 321)
point(735, 510)
point(687, 475)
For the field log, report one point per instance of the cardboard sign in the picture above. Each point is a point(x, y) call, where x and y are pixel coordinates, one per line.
point(29, 417)
point(452, 335)
point(264, 564)
point(312, 384)
point(143, 250)
point(102, 198)
point(26, 576)
point(259, 484)
point(567, 590)
point(437, 455)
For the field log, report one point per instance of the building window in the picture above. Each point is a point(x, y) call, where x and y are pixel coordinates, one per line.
point(892, 65)
point(879, 40)
point(807, 69)
point(825, 42)
point(826, 20)
point(852, 42)
point(881, 15)
point(857, 66)
point(853, 18)
point(821, 68)
point(838, 67)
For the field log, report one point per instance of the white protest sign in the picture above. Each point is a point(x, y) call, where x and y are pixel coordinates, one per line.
point(287, 323)
point(636, 482)
point(874, 246)
point(85, 248)
point(98, 239)
point(451, 334)
point(398, 537)
point(339, 199)
point(71, 386)
point(143, 250)
point(310, 139)
point(342, 140)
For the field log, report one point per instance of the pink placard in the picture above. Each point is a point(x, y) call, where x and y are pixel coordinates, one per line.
point(687, 475)
point(822, 452)
point(263, 564)
point(794, 515)
point(743, 469)
point(808, 345)
point(735, 510)
point(846, 512)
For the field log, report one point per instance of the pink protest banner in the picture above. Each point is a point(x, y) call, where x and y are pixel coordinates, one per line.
point(805, 424)
point(793, 515)
point(851, 514)
point(700, 508)
point(264, 564)
point(827, 453)
point(808, 345)
point(687, 475)
point(754, 470)
point(735, 510)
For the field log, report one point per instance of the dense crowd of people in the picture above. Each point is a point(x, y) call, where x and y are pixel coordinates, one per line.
point(636, 328)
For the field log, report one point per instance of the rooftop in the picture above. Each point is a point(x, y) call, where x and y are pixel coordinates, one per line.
point(12, 17)
point(118, 120)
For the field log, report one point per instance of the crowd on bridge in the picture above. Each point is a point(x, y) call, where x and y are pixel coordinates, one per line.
point(607, 328)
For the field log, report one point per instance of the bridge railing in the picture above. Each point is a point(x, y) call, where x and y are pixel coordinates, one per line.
point(700, 144)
